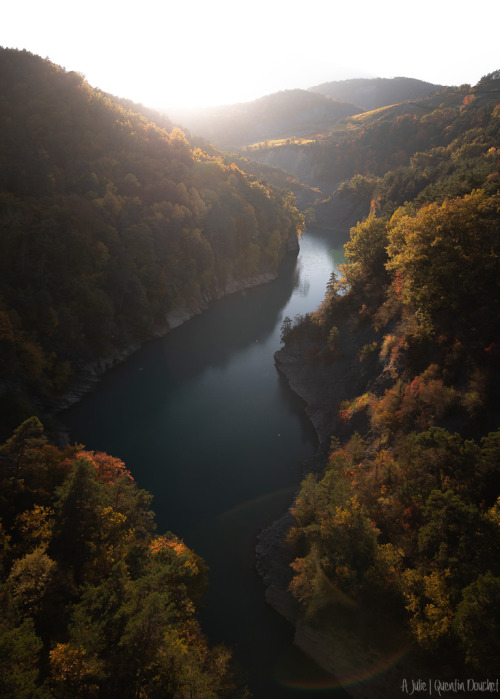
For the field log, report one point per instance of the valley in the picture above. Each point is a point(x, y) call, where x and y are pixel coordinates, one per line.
point(205, 293)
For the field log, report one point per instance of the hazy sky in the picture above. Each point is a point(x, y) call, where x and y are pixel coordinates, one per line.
point(194, 52)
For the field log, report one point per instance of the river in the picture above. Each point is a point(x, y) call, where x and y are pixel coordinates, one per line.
point(204, 422)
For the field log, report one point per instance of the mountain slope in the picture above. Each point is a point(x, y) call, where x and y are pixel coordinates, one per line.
point(111, 227)
point(404, 517)
point(372, 93)
point(282, 115)
point(388, 143)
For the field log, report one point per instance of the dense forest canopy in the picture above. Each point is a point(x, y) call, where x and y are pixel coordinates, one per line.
point(441, 145)
point(109, 223)
point(405, 514)
point(95, 603)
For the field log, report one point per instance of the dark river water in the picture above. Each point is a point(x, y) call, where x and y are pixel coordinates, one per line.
point(204, 422)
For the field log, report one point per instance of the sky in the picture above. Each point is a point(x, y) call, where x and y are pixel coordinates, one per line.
point(194, 53)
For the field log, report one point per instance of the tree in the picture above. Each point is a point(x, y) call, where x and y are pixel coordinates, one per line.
point(366, 248)
point(30, 578)
point(74, 672)
point(78, 506)
point(19, 651)
point(428, 603)
point(477, 622)
point(36, 526)
point(286, 328)
point(447, 258)
point(454, 535)
point(22, 447)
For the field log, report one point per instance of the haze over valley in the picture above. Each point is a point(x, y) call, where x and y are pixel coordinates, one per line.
point(249, 350)
point(195, 54)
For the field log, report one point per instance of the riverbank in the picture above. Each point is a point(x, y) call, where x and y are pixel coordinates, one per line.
point(205, 424)
point(89, 375)
point(369, 654)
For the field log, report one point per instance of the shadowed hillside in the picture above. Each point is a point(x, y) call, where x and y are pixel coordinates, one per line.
point(404, 516)
point(282, 115)
point(372, 93)
point(112, 228)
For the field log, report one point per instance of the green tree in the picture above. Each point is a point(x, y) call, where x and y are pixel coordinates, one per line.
point(78, 506)
point(453, 535)
point(366, 248)
point(22, 448)
point(446, 260)
point(477, 622)
point(19, 651)
point(30, 578)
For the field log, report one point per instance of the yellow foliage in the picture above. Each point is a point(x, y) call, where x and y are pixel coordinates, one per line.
point(428, 602)
point(72, 665)
point(36, 524)
point(171, 546)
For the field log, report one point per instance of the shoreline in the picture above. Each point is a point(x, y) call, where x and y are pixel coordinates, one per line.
point(368, 653)
point(89, 375)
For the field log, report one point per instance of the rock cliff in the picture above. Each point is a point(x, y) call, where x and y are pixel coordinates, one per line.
point(369, 655)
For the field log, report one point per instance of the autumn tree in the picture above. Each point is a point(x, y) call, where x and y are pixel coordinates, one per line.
point(448, 260)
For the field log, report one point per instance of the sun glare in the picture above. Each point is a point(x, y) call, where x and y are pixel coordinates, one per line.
point(201, 54)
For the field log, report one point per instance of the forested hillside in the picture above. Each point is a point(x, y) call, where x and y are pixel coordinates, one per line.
point(113, 226)
point(406, 514)
point(282, 115)
point(400, 152)
point(109, 225)
point(372, 93)
point(93, 602)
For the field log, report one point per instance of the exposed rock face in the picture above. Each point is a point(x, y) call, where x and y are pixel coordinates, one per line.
point(368, 654)
point(338, 211)
point(90, 374)
point(323, 387)
point(345, 210)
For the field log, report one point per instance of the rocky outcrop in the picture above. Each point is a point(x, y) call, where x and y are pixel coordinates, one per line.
point(324, 387)
point(344, 209)
point(332, 209)
point(368, 654)
point(89, 375)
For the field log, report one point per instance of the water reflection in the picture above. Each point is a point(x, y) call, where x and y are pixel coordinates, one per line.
point(205, 423)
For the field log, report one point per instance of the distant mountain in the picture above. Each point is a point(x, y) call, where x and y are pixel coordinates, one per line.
point(373, 93)
point(449, 98)
point(282, 115)
point(383, 147)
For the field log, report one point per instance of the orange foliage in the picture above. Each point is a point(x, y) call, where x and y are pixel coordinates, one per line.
point(169, 548)
point(302, 584)
point(350, 408)
point(108, 468)
point(421, 402)
point(398, 283)
point(161, 544)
